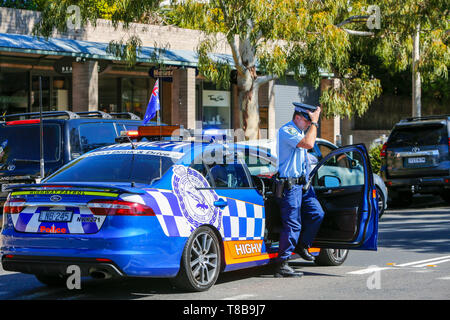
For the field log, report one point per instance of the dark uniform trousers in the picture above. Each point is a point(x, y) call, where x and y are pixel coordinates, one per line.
point(301, 214)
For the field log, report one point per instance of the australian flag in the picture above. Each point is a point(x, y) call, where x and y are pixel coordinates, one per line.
point(153, 104)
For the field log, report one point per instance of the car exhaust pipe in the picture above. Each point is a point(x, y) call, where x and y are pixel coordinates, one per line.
point(100, 274)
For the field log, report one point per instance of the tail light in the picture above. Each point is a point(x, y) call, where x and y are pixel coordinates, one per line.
point(119, 208)
point(13, 206)
point(383, 150)
point(18, 122)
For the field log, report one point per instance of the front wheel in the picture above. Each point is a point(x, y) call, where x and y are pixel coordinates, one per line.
point(200, 262)
point(380, 200)
point(331, 257)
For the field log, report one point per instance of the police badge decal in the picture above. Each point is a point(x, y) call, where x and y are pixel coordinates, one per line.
point(195, 197)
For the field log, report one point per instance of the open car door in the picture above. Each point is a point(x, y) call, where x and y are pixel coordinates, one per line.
point(344, 186)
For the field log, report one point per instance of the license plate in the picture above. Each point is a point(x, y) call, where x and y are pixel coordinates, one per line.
point(55, 216)
point(417, 160)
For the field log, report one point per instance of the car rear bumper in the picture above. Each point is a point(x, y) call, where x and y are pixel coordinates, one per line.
point(136, 251)
point(419, 185)
point(45, 265)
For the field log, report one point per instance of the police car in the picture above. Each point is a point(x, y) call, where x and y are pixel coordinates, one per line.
point(183, 210)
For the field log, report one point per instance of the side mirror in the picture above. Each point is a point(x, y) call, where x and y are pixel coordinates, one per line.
point(329, 181)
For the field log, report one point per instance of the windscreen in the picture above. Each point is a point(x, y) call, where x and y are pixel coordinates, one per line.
point(418, 136)
point(139, 166)
point(20, 143)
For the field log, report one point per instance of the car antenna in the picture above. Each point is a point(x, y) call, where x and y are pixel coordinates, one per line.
point(41, 133)
point(133, 146)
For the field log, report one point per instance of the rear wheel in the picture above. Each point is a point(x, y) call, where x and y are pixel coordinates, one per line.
point(331, 257)
point(200, 262)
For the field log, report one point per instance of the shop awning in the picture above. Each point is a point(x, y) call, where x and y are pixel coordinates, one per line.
point(95, 50)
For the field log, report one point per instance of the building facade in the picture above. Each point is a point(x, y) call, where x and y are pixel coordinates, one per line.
point(78, 74)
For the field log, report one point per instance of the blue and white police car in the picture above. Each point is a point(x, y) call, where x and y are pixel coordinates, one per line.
point(177, 209)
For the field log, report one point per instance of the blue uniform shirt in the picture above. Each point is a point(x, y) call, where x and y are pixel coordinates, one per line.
point(291, 160)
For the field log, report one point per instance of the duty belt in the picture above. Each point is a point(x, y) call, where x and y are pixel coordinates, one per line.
point(279, 184)
point(293, 181)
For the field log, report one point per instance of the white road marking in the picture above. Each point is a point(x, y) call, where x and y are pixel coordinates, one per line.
point(421, 261)
point(433, 263)
point(369, 270)
point(415, 264)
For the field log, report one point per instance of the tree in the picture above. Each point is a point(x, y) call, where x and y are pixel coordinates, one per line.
point(414, 34)
point(268, 39)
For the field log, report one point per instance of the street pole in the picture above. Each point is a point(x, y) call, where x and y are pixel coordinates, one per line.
point(416, 83)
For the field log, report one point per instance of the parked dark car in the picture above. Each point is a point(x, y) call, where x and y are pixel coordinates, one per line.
point(67, 135)
point(416, 159)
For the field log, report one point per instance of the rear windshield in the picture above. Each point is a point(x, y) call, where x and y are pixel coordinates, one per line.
point(418, 135)
point(20, 143)
point(140, 166)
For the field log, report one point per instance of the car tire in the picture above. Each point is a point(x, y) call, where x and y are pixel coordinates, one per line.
point(331, 257)
point(200, 262)
point(380, 200)
point(52, 281)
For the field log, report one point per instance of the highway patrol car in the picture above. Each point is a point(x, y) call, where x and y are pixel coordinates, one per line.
point(177, 209)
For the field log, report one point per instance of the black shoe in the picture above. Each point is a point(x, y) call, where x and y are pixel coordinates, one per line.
point(283, 270)
point(303, 252)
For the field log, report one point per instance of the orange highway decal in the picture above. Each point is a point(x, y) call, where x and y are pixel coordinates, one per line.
point(245, 251)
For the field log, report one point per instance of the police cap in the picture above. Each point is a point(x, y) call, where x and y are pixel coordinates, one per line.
point(303, 108)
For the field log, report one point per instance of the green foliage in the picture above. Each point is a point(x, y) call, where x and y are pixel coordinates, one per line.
point(24, 4)
point(374, 157)
point(269, 39)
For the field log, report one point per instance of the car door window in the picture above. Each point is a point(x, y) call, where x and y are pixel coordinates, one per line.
point(96, 135)
point(228, 172)
point(258, 165)
point(341, 170)
point(200, 167)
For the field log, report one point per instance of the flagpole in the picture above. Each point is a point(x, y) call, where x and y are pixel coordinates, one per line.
point(160, 89)
point(158, 120)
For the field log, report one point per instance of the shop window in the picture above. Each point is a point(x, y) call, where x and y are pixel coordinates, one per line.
point(13, 92)
point(135, 92)
point(216, 107)
point(45, 93)
point(60, 93)
point(107, 94)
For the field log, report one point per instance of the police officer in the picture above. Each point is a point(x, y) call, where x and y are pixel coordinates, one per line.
point(301, 212)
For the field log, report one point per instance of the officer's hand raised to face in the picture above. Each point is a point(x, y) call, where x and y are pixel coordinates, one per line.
point(315, 115)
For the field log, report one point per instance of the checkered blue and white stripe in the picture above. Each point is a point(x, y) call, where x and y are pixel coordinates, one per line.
point(240, 220)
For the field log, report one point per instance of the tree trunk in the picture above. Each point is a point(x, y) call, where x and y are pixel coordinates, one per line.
point(248, 100)
point(416, 83)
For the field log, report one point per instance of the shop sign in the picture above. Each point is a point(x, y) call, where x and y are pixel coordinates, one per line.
point(164, 72)
point(64, 65)
point(215, 98)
